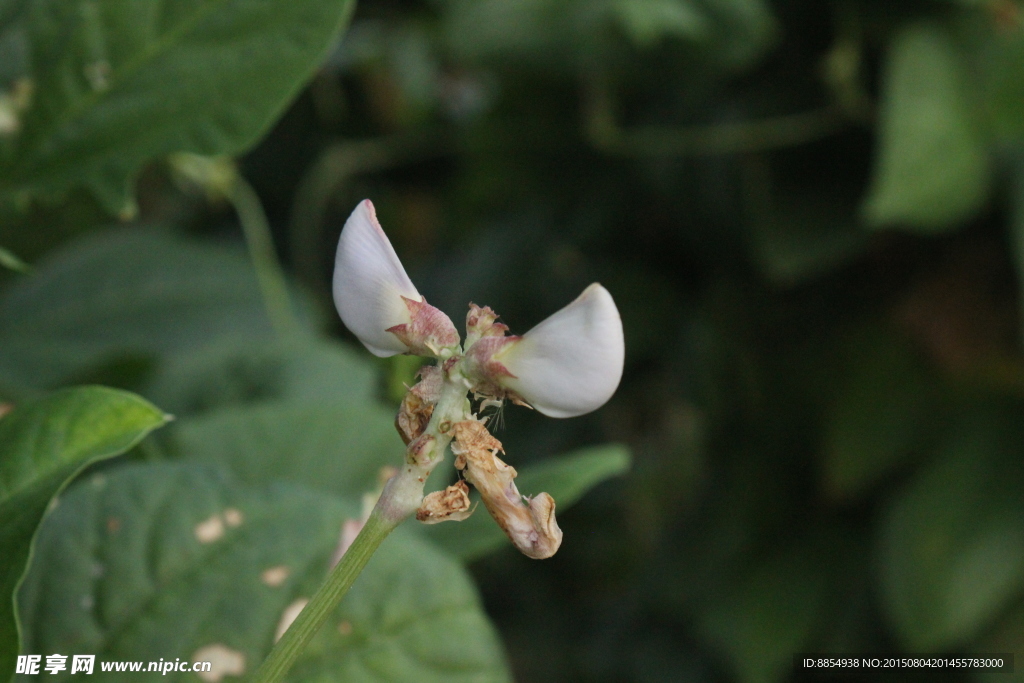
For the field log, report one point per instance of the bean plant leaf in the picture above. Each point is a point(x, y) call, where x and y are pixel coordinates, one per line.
point(167, 561)
point(1007, 636)
point(119, 82)
point(932, 170)
point(767, 614)
point(12, 262)
point(888, 406)
point(338, 447)
point(951, 546)
point(133, 291)
point(43, 445)
point(232, 373)
point(567, 478)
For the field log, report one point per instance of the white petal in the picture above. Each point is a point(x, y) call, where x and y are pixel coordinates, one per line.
point(369, 283)
point(571, 363)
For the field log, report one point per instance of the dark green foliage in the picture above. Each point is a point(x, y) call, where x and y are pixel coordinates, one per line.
point(811, 216)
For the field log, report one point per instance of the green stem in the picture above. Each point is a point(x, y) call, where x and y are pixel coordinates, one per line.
point(269, 273)
point(400, 498)
point(737, 137)
point(275, 667)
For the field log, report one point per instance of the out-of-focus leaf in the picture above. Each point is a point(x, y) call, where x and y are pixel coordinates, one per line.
point(550, 34)
point(951, 546)
point(994, 45)
point(134, 291)
point(118, 82)
point(932, 170)
point(887, 406)
point(165, 561)
point(796, 248)
point(43, 444)
point(1016, 225)
point(648, 21)
point(767, 615)
point(12, 262)
point(1007, 636)
point(229, 373)
point(796, 236)
point(338, 446)
point(566, 478)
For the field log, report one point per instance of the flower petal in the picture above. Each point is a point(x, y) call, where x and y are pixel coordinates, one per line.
point(369, 283)
point(571, 363)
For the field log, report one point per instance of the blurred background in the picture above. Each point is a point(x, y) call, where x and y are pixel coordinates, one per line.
point(811, 217)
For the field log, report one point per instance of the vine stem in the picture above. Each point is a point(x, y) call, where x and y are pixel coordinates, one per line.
point(327, 597)
point(269, 273)
point(400, 498)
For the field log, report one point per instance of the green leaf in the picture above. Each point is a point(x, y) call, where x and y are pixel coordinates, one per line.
point(167, 561)
point(43, 445)
point(338, 446)
point(12, 262)
point(119, 82)
point(648, 21)
point(888, 406)
point(932, 170)
point(566, 478)
point(302, 369)
point(1016, 225)
point(994, 44)
point(767, 614)
point(801, 228)
point(130, 292)
point(951, 547)
point(1007, 636)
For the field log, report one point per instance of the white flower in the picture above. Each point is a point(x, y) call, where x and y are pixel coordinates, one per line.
point(375, 297)
point(568, 365)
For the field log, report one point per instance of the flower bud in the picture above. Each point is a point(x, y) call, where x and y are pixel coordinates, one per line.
point(481, 322)
point(375, 297)
point(568, 365)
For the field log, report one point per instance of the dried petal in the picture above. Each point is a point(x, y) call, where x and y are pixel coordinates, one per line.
point(531, 528)
point(418, 404)
point(450, 505)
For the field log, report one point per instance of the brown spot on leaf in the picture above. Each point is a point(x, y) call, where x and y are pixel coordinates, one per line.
point(210, 529)
point(290, 613)
point(275, 576)
point(233, 517)
point(223, 662)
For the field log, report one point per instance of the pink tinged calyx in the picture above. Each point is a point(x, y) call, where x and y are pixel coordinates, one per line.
point(375, 297)
point(568, 365)
point(428, 331)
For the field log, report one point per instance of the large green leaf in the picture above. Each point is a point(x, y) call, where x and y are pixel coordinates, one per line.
point(301, 369)
point(951, 548)
point(336, 446)
point(887, 407)
point(566, 478)
point(167, 561)
point(998, 61)
point(43, 444)
point(768, 613)
point(119, 82)
point(932, 170)
point(134, 292)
